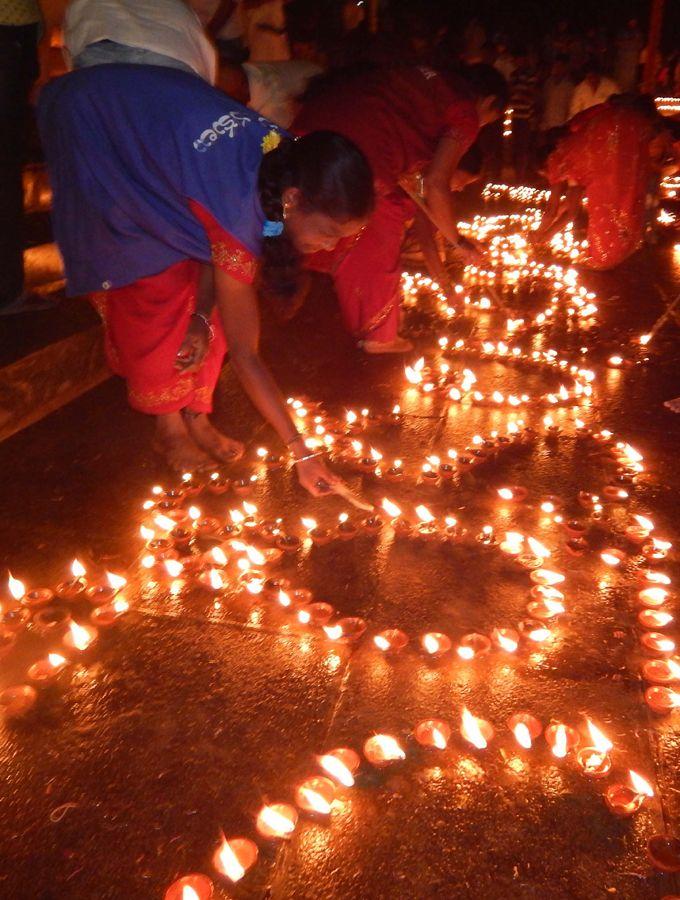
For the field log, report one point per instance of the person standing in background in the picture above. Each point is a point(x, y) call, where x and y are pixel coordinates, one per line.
point(595, 88)
point(557, 93)
point(629, 44)
point(20, 22)
point(524, 93)
point(143, 32)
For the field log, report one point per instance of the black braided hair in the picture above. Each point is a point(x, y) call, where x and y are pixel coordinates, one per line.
point(333, 177)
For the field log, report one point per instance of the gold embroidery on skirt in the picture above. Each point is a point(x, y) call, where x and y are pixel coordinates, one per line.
point(182, 387)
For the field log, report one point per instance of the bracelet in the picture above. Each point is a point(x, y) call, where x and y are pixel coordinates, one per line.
point(208, 324)
point(305, 458)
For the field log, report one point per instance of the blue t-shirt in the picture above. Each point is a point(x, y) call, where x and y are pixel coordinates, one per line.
point(128, 147)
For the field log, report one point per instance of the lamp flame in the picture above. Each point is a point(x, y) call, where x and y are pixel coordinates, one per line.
point(424, 515)
point(599, 740)
point(640, 784)
point(173, 567)
point(116, 582)
point(560, 745)
point(56, 660)
point(16, 588)
point(522, 735)
point(229, 863)
point(78, 569)
point(81, 636)
point(336, 769)
point(471, 731)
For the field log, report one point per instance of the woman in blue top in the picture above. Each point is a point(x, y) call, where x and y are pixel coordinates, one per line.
point(171, 201)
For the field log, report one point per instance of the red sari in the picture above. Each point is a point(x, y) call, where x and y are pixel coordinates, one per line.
point(397, 118)
point(145, 323)
point(607, 154)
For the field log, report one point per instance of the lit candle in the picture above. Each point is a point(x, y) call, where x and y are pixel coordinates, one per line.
point(526, 729)
point(433, 733)
point(315, 795)
point(656, 644)
point(316, 614)
point(234, 857)
point(190, 887)
point(473, 645)
point(346, 529)
point(31, 599)
point(392, 640)
point(49, 620)
point(345, 631)
point(108, 615)
point(506, 639)
point(514, 494)
point(16, 701)
point(427, 527)
point(662, 671)
point(594, 760)
point(341, 764)
point(662, 699)
point(318, 536)
point(79, 637)
point(47, 671)
point(653, 597)
point(435, 644)
point(546, 577)
point(624, 800)
point(277, 820)
point(75, 586)
point(612, 557)
point(477, 732)
point(382, 750)
point(654, 618)
point(561, 739)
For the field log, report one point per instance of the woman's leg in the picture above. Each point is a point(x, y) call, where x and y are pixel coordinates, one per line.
point(368, 278)
point(145, 325)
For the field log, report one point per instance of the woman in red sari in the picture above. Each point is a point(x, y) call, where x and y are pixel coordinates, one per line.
point(169, 199)
point(408, 121)
point(607, 155)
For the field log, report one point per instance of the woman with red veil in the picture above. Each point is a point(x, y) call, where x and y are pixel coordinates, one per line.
point(607, 155)
point(413, 124)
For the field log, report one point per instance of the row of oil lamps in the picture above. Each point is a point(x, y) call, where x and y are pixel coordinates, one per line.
point(317, 794)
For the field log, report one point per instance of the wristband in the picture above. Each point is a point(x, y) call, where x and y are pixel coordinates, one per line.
point(305, 458)
point(208, 324)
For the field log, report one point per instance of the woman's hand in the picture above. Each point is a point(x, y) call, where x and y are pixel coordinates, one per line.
point(315, 476)
point(194, 347)
point(470, 251)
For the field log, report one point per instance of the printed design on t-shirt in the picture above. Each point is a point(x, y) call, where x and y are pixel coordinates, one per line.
point(227, 124)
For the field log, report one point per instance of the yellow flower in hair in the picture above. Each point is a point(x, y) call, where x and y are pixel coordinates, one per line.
point(271, 141)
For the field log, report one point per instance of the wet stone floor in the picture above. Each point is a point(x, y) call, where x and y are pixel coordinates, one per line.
point(199, 706)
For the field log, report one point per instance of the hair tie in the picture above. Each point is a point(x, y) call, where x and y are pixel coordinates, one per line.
point(272, 229)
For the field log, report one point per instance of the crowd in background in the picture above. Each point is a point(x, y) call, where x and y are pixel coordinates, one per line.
point(269, 50)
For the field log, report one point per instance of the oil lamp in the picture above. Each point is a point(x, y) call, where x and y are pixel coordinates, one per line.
point(526, 729)
point(315, 795)
point(625, 800)
point(433, 733)
point(234, 857)
point(190, 887)
point(477, 732)
point(277, 821)
point(341, 765)
point(383, 750)
point(392, 640)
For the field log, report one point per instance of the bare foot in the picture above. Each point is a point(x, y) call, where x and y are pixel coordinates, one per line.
point(211, 440)
point(398, 345)
point(173, 441)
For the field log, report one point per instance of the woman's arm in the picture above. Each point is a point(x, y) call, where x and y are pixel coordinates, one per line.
point(437, 186)
point(424, 233)
point(238, 308)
